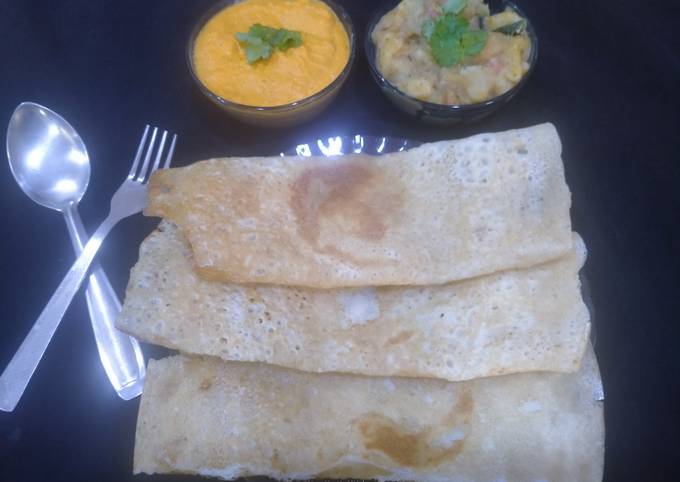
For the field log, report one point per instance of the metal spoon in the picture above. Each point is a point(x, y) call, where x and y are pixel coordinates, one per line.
point(50, 163)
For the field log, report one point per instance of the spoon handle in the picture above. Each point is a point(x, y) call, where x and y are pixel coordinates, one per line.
point(120, 354)
point(19, 371)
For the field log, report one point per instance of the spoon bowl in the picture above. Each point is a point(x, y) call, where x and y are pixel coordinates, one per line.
point(47, 157)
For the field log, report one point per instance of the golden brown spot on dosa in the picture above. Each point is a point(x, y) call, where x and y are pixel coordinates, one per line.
point(360, 196)
point(399, 338)
point(416, 449)
point(205, 384)
point(463, 408)
point(355, 471)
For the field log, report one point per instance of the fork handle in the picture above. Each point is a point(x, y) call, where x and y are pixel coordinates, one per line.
point(14, 379)
point(120, 354)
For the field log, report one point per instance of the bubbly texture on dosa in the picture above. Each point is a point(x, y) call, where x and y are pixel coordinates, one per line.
point(231, 419)
point(437, 213)
point(509, 322)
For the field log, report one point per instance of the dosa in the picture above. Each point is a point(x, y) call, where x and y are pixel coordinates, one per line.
point(515, 321)
point(209, 417)
point(437, 213)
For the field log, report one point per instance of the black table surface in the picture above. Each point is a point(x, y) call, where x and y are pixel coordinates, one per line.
point(607, 77)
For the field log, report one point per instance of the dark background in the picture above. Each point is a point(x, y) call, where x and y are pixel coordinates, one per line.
point(607, 76)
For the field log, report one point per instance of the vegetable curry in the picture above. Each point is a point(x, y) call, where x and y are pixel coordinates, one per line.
point(451, 51)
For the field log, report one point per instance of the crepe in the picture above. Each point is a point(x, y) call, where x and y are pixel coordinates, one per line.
point(515, 321)
point(437, 213)
point(209, 417)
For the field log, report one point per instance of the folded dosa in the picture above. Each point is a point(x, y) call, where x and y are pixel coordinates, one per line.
point(230, 419)
point(437, 213)
point(509, 322)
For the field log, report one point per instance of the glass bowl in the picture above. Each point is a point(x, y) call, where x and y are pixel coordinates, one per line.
point(281, 115)
point(445, 114)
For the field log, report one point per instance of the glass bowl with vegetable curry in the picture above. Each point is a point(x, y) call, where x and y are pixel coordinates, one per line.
point(272, 62)
point(450, 61)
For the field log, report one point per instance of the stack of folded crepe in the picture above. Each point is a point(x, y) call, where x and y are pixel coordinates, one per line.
point(412, 316)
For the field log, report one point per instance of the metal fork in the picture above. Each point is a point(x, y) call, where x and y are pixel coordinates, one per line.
point(129, 199)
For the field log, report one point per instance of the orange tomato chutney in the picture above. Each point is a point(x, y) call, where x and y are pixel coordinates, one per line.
point(287, 76)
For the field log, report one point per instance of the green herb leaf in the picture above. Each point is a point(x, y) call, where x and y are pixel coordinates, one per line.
point(285, 39)
point(449, 25)
point(256, 48)
point(260, 41)
point(446, 51)
point(451, 40)
point(454, 6)
point(262, 32)
point(473, 41)
point(427, 29)
point(258, 51)
point(514, 28)
point(245, 37)
point(445, 43)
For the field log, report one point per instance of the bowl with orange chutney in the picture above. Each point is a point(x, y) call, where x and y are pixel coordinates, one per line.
point(272, 62)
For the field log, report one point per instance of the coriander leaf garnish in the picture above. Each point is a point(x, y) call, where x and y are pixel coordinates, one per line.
point(451, 25)
point(263, 32)
point(473, 41)
point(446, 51)
point(427, 29)
point(256, 48)
point(449, 36)
point(260, 41)
point(285, 39)
point(514, 28)
point(454, 6)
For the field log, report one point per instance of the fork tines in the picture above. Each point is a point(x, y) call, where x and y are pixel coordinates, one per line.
point(143, 174)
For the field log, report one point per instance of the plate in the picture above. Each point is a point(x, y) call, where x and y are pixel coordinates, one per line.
point(356, 144)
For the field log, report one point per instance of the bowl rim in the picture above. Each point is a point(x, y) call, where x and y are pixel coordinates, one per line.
point(344, 18)
point(450, 108)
